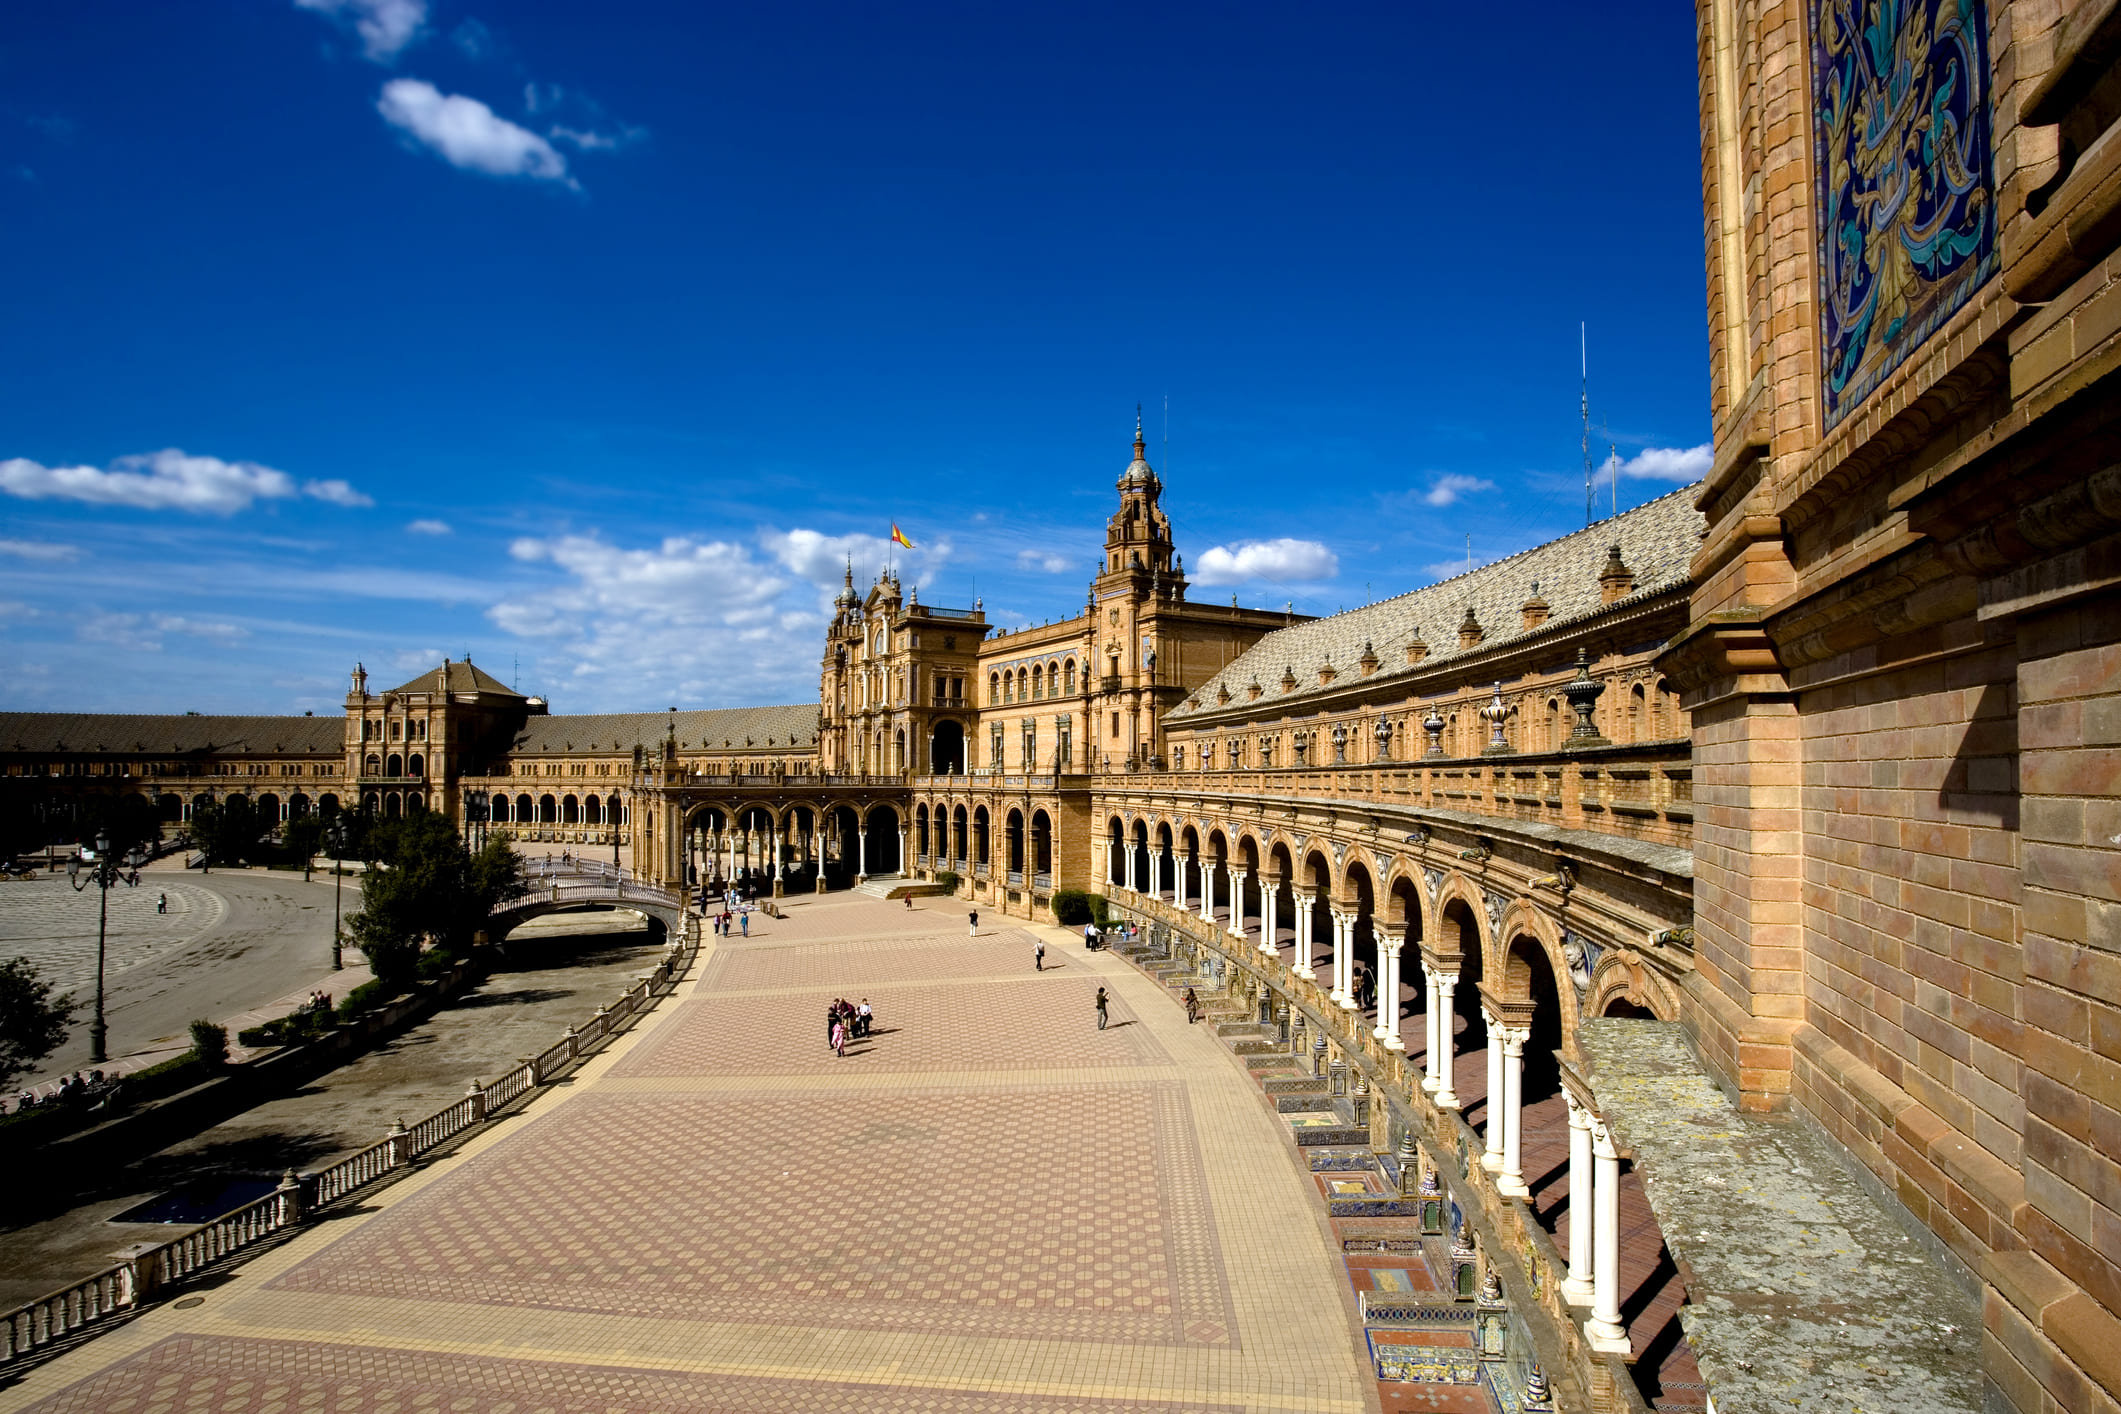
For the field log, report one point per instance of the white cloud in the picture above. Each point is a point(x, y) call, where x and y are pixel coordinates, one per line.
point(386, 27)
point(424, 526)
point(466, 133)
point(337, 492)
point(1450, 487)
point(1043, 560)
point(167, 480)
point(1670, 463)
point(143, 632)
point(1277, 561)
point(44, 551)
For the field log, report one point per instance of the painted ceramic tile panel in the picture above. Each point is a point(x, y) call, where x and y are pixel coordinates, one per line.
point(1907, 218)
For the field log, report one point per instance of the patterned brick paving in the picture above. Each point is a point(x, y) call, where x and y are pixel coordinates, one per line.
point(248, 1376)
point(722, 1215)
point(1041, 1022)
point(739, 967)
point(929, 1211)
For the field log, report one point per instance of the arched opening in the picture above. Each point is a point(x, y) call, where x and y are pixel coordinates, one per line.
point(1638, 714)
point(269, 808)
point(1244, 886)
point(898, 750)
point(1458, 945)
point(570, 811)
point(592, 810)
point(1624, 1009)
point(372, 765)
point(298, 806)
point(1165, 883)
point(548, 810)
point(1143, 865)
point(169, 808)
point(497, 809)
point(394, 766)
point(1359, 897)
point(1041, 850)
point(1068, 678)
point(525, 813)
point(1038, 681)
point(946, 749)
point(328, 805)
point(920, 835)
point(1318, 880)
point(1408, 1006)
point(393, 806)
point(981, 844)
point(416, 766)
point(1115, 852)
point(884, 838)
point(1281, 872)
point(414, 802)
point(1013, 844)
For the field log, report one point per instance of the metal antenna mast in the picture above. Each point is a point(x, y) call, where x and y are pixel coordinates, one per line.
point(1583, 348)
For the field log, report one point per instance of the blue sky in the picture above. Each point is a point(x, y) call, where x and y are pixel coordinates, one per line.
point(591, 339)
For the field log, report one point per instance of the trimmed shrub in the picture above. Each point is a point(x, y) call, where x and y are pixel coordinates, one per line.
point(947, 878)
point(1073, 908)
point(209, 1042)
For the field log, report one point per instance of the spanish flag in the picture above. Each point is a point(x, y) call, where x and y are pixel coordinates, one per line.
point(898, 537)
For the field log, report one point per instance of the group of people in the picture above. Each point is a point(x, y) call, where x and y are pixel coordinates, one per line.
point(844, 1022)
point(91, 1090)
point(733, 918)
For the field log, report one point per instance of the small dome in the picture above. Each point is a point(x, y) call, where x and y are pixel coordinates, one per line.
point(1138, 472)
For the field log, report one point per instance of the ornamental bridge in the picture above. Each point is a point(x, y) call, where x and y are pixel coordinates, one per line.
point(568, 884)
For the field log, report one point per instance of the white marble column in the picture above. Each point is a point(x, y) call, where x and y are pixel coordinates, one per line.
point(1238, 879)
point(1387, 1028)
point(905, 860)
point(1344, 958)
point(1207, 892)
point(1604, 1328)
point(1334, 979)
point(1446, 1039)
point(1430, 1075)
point(1184, 896)
point(1491, 1160)
point(1577, 1289)
point(1306, 908)
point(861, 850)
point(1269, 909)
point(1510, 1182)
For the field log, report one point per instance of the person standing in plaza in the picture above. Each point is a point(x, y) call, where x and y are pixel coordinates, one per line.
point(861, 1018)
point(1192, 1007)
point(1102, 1002)
point(974, 918)
point(743, 921)
point(1038, 957)
point(839, 1037)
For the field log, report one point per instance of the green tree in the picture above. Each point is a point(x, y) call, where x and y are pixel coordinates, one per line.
point(302, 837)
point(128, 821)
point(229, 831)
point(425, 886)
point(33, 1022)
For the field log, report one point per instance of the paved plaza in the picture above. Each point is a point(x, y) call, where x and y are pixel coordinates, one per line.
point(989, 1204)
point(230, 941)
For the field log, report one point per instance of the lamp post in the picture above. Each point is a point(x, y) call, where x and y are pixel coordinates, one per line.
point(335, 838)
point(103, 876)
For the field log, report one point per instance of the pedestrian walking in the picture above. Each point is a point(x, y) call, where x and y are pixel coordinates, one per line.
point(1038, 957)
point(974, 917)
point(1102, 1002)
point(862, 1016)
point(839, 1038)
point(832, 1021)
point(1090, 936)
point(743, 921)
point(1192, 1007)
point(909, 900)
point(162, 904)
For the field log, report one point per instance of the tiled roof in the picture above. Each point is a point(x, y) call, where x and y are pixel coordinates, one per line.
point(173, 735)
point(1657, 540)
point(745, 728)
point(458, 677)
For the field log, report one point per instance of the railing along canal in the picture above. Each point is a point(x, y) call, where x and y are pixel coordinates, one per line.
point(151, 1269)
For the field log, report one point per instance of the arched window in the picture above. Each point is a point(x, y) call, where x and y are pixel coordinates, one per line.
point(372, 765)
point(416, 767)
point(524, 813)
point(994, 688)
point(592, 812)
point(1637, 713)
point(1038, 681)
point(395, 766)
point(1553, 738)
point(570, 811)
point(497, 810)
point(548, 810)
point(1008, 687)
point(1068, 676)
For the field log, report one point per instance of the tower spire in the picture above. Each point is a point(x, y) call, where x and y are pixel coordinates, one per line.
point(1140, 447)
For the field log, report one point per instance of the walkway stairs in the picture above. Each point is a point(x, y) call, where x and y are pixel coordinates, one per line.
point(1417, 1301)
point(898, 886)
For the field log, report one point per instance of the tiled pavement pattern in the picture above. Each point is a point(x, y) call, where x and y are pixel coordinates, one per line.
point(55, 928)
point(1035, 1216)
point(243, 1376)
point(1022, 1024)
